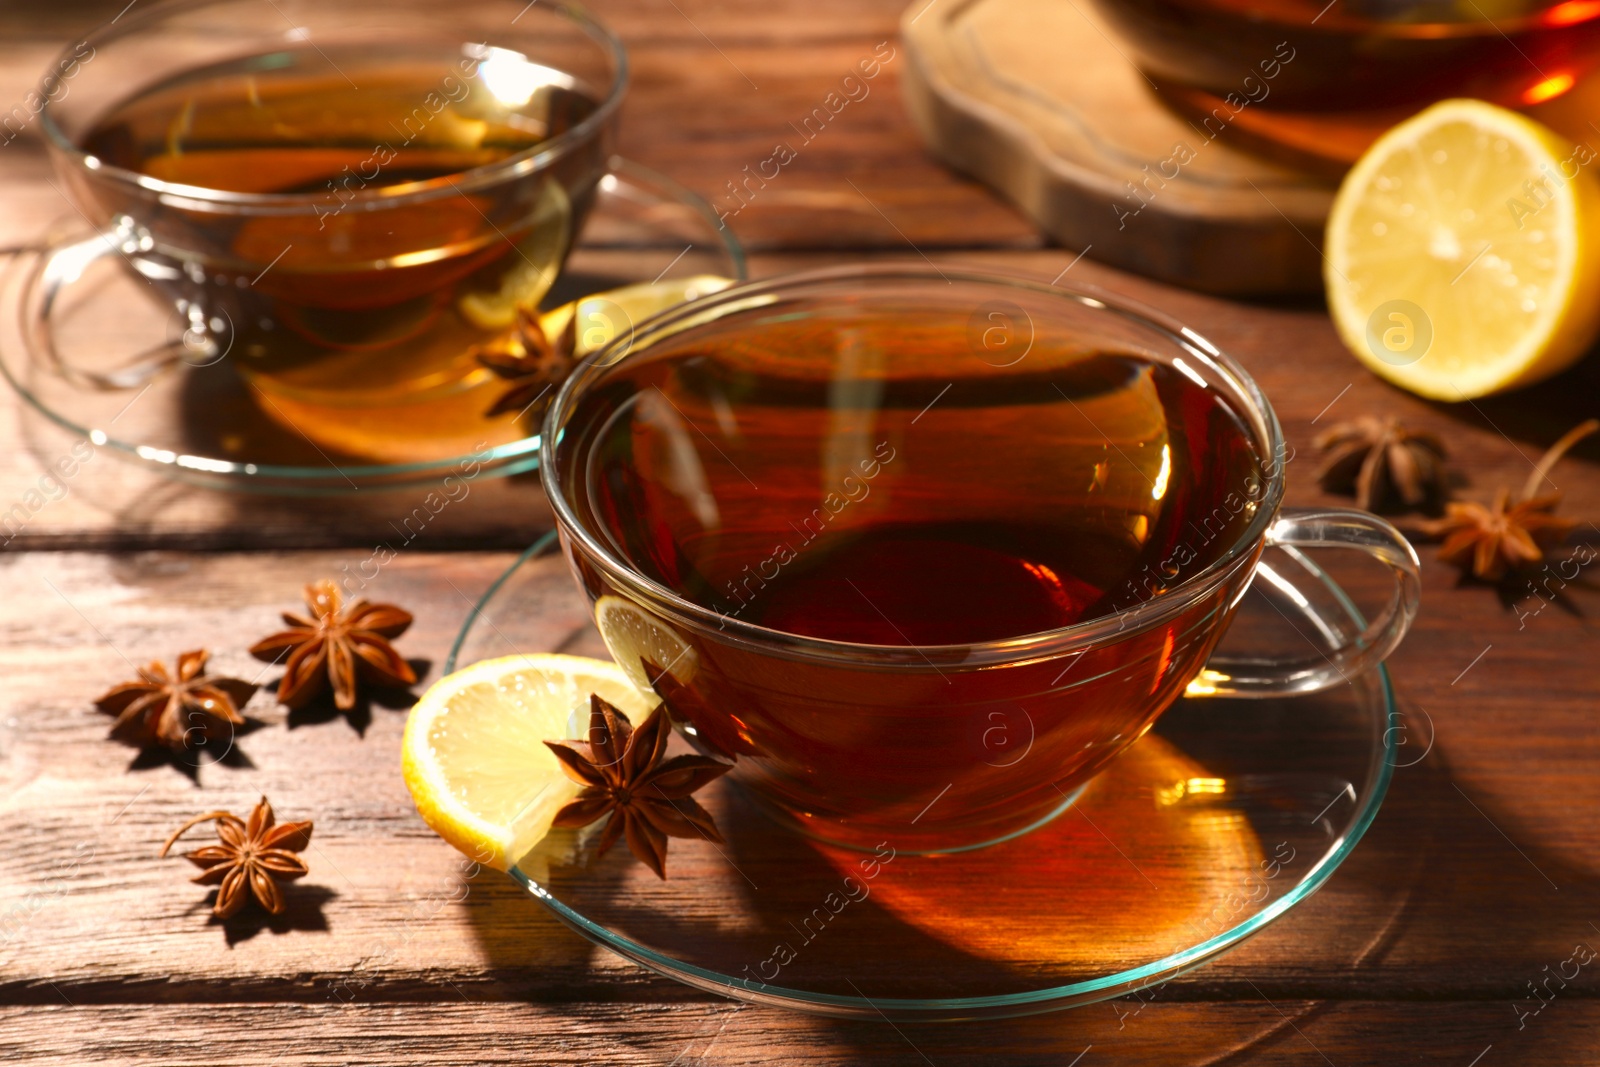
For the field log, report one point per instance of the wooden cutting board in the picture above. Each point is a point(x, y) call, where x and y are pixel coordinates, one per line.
point(1039, 100)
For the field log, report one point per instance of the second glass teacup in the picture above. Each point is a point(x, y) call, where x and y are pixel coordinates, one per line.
point(341, 199)
point(923, 550)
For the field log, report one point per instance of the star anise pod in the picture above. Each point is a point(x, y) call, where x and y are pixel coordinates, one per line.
point(533, 364)
point(341, 645)
point(624, 776)
point(252, 859)
point(161, 708)
point(1377, 459)
point(1513, 532)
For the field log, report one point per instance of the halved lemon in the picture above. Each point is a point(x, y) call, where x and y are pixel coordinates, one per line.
point(631, 634)
point(474, 755)
point(1463, 252)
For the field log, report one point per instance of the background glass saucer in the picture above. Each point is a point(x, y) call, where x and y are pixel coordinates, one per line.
point(200, 424)
point(1217, 822)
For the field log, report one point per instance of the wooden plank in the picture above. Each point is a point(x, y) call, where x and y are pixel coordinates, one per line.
point(88, 911)
point(1267, 1034)
point(807, 161)
point(1476, 880)
point(635, 21)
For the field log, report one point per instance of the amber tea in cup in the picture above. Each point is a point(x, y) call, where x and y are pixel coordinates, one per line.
point(345, 201)
point(895, 534)
point(300, 129)
point(920, 553)
point(1318, 81)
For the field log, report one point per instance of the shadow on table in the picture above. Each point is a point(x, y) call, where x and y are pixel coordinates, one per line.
point(1439, 904)
point(322, 709)
point(303, 911)
point(1540, 413)
point(204, 753)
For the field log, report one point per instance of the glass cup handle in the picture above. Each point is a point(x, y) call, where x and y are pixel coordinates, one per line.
point(1297, 528)
point(60, 263)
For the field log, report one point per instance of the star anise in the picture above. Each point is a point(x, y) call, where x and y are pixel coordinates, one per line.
point(533, 364)
point(1377, 459)
point(1513, 532)
point(337, 645)
point(624, 776)
point(161, 708)
point(252, 859)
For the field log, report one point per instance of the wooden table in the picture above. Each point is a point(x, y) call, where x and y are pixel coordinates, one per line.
point(1480, 876)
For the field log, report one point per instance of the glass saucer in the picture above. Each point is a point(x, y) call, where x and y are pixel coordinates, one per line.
point(1217, 822)
point(200, 424)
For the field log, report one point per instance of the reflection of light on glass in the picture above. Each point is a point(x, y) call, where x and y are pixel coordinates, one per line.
point(1043, 573)
point(68, 265)
point(1570, 12)
point(1189, 372)
point(1178, 792)
point(200, 463)
point(681, 470)
point(1200, 342)
point(1207, 683)
point(512, 78)
point(1284, 586)
point(1054, 587)
point(1164, 661)
point(1159, 488)
point(855, 398)
point(1548, 89)
point(1222, 823)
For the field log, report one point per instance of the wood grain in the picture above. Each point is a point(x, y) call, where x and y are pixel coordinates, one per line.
point(1276, 1033)
point(1479, 874)
point(90, 912)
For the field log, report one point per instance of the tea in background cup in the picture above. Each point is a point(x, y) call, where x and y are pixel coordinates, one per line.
point(1316, 82)
point(343, 200)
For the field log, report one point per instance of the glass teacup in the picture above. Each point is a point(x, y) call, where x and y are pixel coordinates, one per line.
point(923, 550)
point(343, 200)
point(1317, 82)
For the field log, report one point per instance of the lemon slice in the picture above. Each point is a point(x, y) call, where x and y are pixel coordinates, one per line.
point(474, 755)
point(535, 261)
point(631, 634)
point(1463, 252)
point(616, 312)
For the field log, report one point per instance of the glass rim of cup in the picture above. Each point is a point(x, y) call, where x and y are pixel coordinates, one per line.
point(529, 161)
point(1011, 650)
